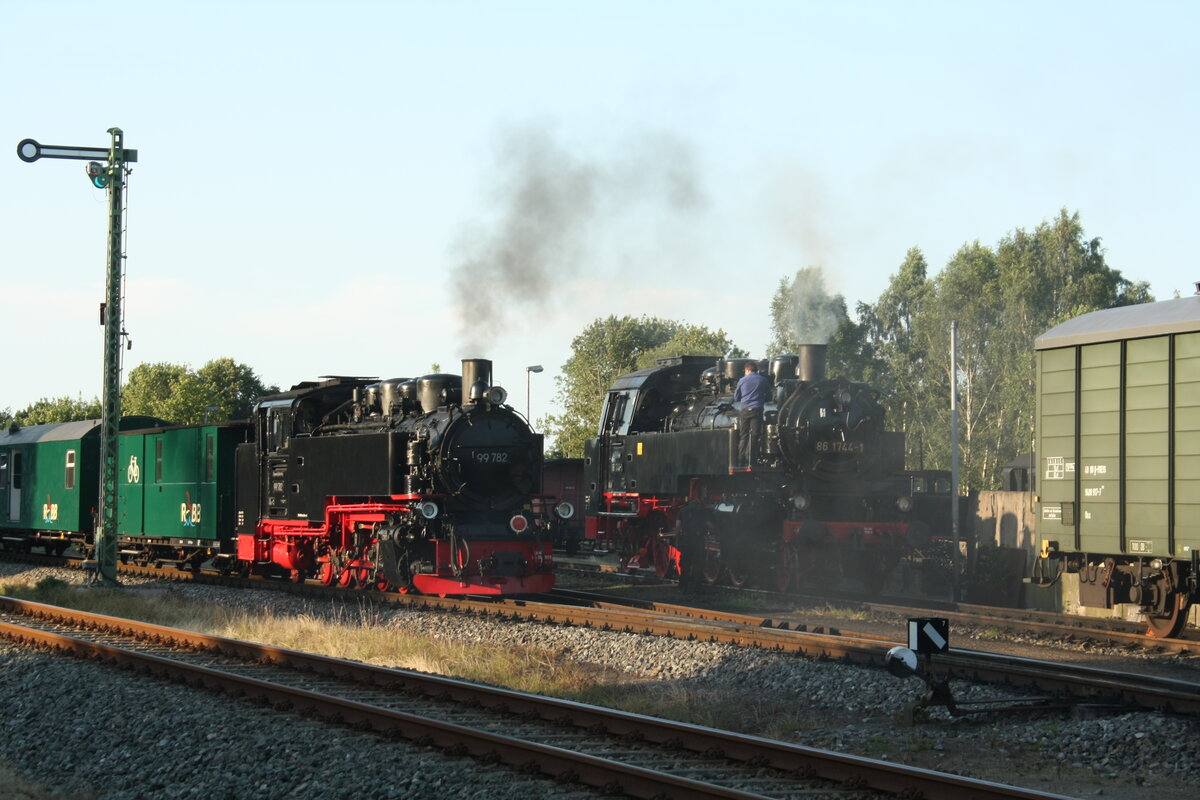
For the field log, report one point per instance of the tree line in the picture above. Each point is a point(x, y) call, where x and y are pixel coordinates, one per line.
point(222, 389)
point(1001, 298)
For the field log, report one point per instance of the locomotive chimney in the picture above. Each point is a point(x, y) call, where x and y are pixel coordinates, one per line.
point(811, 366)
point(476, 378)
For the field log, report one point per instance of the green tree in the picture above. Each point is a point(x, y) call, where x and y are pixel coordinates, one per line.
point(606, 349)
point(178, 394)
point(1002, 298)
point(898, 354)
point(151, 390)
point(57, 409)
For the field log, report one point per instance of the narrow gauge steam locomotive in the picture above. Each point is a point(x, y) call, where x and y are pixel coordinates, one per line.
point(826, 498)
point(1118, 458)
point(422, 484)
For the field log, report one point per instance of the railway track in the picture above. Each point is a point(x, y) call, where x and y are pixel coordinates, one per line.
point(617, 753)
point(1063, 683)
point(1070, 627)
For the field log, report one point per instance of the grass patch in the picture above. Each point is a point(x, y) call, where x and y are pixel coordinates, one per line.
point(846, 612)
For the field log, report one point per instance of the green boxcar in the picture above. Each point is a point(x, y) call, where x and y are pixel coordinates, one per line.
point(1118, 455)
point(176, 488)
point(1118, 421)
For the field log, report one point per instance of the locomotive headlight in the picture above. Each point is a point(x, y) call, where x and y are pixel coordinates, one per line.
point(565, 510)
point(429, 509)
point(1156, 563)
point(800, 501)
point(496, 395)
point(904, 504)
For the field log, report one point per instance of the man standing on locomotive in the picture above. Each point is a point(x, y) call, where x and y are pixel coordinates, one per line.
point(751, 396)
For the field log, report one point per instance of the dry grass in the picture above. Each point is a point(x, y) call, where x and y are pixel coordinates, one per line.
point(353, 633)
point(357, 633)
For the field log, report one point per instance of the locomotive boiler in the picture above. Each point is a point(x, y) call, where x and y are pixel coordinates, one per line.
point(824, 496)
point(418, 484)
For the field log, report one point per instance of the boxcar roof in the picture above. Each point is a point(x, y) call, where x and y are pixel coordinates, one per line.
point(1125, 322)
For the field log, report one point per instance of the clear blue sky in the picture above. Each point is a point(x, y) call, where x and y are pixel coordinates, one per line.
point(316, 180)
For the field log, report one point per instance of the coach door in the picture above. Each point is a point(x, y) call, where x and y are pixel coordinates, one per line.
point(13, 463)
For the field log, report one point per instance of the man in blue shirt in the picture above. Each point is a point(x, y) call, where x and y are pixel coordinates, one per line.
point(751, 396)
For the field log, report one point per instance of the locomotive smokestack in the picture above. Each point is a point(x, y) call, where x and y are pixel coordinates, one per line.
point(811, 367)
point(476, 378)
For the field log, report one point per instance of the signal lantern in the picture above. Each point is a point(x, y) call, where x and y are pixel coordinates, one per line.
point(98, 174)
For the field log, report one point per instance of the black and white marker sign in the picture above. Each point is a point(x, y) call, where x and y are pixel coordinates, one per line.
point(929, 634)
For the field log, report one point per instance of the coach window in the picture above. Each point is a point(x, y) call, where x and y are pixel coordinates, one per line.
point(69, 471)
point(4, 470)
point(208, 458)
point(158, 460)
point(16, 469)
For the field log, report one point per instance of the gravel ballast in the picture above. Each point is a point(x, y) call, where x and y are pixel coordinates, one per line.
point(146, 738)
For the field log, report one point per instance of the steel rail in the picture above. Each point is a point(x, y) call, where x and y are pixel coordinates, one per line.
point(852, 771)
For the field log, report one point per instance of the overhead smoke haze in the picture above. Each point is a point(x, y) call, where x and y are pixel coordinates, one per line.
point(814, 314)
point(552, 210)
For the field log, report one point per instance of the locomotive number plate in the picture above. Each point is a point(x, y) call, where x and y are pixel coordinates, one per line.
point(484, 457)
point(828, 446)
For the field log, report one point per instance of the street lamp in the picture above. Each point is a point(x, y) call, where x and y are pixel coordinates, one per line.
point(529, 371)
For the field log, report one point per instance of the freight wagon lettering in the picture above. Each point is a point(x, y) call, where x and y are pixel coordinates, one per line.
point(1055, 468)
point(1094, 491)
point(1095, 469)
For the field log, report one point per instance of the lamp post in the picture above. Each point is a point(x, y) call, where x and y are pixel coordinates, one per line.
point(528, 372)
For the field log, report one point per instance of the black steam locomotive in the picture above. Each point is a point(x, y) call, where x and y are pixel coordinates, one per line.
point(419, 484)
point(824, 497)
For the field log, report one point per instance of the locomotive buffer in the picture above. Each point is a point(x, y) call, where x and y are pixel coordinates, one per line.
point(112, 179)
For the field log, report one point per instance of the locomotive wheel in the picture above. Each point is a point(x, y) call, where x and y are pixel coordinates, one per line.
point(362, 578)
point(736, 575)
point(1169, 626)
point(296, 576)
point(327, 574)
point(382, 584)
point(345, 577)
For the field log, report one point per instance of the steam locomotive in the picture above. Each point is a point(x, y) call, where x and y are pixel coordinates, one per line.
point(423, 484)
point(825, 497)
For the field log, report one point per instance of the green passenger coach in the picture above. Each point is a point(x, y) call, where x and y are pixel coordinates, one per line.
point(1118, 456)
point(49, 481)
